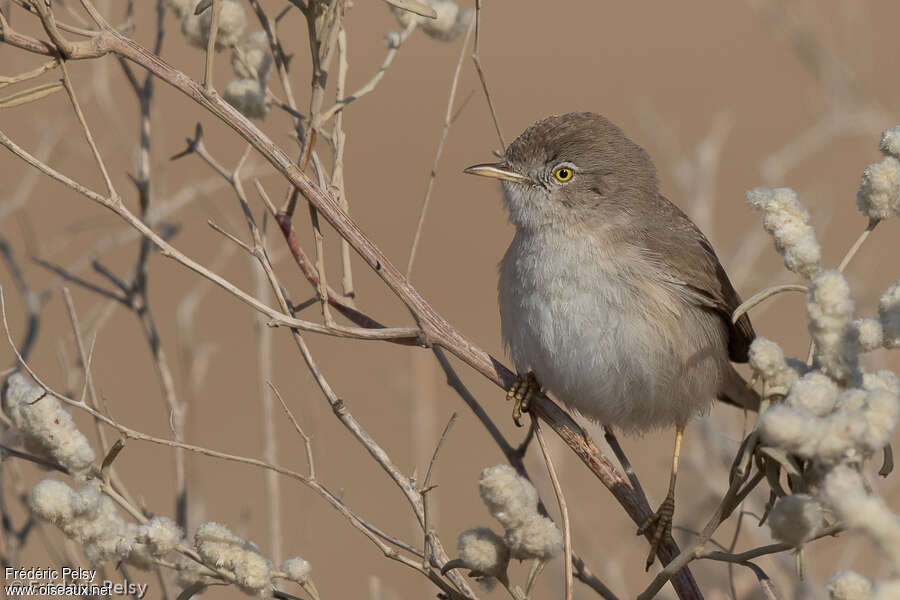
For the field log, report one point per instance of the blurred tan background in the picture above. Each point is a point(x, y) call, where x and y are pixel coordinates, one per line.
point(724, 96)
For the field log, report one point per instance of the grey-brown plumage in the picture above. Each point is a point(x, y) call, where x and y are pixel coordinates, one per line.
point(608, 292)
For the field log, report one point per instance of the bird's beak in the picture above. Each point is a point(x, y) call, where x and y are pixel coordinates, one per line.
point(497, 171)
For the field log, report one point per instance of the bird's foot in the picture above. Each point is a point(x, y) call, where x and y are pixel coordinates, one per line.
point(658, 525)
point(522, 392)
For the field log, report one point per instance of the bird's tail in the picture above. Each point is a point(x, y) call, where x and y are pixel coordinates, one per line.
point(736, 392)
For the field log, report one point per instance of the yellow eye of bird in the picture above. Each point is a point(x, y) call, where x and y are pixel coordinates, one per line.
point(563, 174)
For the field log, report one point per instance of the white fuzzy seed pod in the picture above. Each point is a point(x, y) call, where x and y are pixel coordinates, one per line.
point(849, 585)
point(815, 392)
point(48, 426)
point(889, 315)
point(794, 429)
point(446, 27)
point(161, 535)
point(52, 501)
point(882, 413)
point(251, 58)
point(218, 546)
point(882, 380)
point(788, 222)
point(450, 21)
point(890, 142)
point(845, 489)
point(767, 359)
point(248, 97)
point(796, 519)
point(869, 333)
point(879, 191)
point(297, 569)
point(484, 552)
point(510, 498)
point(537, 537)
point(87, 517)
point(232, 22)
point(830, 310)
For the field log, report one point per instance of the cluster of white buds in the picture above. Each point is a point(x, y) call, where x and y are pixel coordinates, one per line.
point(242, 559)
point(879, 191)
point(218, 546)
point(252, 63)
point(819, 420)
point(830, 311)
point(449, 23)
point(90, 518)
point(196, 28)
point(831, 414)
point(513, 501)
point(788, 222)
point(47, 428)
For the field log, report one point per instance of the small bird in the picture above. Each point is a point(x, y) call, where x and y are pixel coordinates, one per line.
point(611, 299)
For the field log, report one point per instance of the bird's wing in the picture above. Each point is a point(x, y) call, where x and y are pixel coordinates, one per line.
point(690, 263)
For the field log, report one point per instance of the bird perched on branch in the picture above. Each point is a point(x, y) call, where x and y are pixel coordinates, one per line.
point(610, 297)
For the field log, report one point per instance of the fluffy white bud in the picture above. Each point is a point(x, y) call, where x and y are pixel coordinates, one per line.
point(849, 585)
point(869, 333)
point(889, 314)
point(882, 380)
point(47, 425)
point(788, 222)
point(862, 424)
point(845, 490)
point(52, 500)
point(830, 310)
point(161, 535)
point(248, 97)
point(510, 498)
point(815, 392)
point(297, 569)
point(87, 517)
point(879, 192)
point(796, 519)
point(232, 22)
point(446, 27)
point(450, 21)
point(251, 58)
point(767, 359)
point(890, 142)
point(537, 537)
point(795, 430)
point(483, 551)
point(218, 546)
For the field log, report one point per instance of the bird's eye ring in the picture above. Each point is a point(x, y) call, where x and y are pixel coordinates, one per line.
point(563, 174)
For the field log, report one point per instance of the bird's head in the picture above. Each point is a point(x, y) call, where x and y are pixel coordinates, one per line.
point(572, 169)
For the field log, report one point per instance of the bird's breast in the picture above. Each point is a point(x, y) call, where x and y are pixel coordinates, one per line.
point(598, 331)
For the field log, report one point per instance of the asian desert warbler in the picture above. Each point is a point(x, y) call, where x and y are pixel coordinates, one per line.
point(610, 297)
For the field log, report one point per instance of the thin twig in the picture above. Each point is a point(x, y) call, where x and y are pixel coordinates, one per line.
point(760, 297)
point(216, 9)
point(481, 77)
point(448, 119)
point(563, 508)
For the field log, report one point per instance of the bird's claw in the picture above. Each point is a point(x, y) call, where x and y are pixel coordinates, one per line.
point(658, 525)
point(521, 392)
